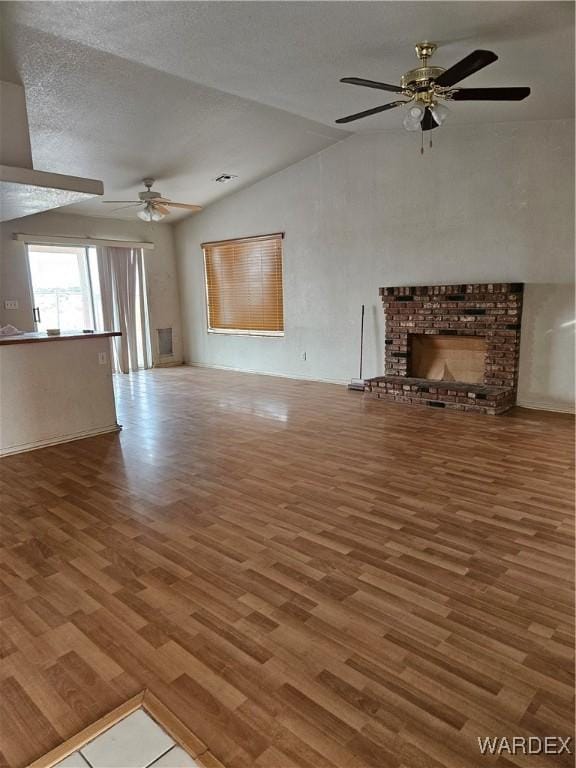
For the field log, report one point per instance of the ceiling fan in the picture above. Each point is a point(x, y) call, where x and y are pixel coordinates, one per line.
point(154, 206)
point(426, 87)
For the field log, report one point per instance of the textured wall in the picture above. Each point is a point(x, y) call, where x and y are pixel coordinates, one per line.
point(160, 265)
point(491, 203)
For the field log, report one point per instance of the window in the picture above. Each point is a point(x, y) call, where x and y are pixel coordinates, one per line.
point(244, 286)
point(63, 285)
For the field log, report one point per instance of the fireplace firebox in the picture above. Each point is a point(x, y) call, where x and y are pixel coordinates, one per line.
point(451, 346)
point(447, 358)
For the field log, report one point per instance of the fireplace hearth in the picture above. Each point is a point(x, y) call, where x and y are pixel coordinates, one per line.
point(451, 346)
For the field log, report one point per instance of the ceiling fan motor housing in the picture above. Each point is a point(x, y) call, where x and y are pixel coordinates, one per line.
point(420, 77)
point(148, 196)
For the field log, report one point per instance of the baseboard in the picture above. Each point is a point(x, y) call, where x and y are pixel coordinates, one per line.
point(539, 406)
point(58, 440)
point(294, 376)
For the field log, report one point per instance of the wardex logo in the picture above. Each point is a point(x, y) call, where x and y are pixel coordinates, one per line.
point(520, 745)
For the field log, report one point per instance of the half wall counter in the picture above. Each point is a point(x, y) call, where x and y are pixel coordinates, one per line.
point(54, 389)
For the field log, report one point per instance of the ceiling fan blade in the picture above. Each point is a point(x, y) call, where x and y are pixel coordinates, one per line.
point(372, 84)
point(467, 66)
point(182, 205)
point(368, 112)
point(491, 94)
point(428, 123)
point(161, 208)
point(120, 202)
point(123, 207)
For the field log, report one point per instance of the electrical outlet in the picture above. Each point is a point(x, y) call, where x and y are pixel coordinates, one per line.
point(102, 358)
point(11, 304)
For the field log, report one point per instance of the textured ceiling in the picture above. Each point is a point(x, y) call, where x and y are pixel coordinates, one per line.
point(186, 90)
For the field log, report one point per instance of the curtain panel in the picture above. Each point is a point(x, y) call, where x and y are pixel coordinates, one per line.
point(125, 306)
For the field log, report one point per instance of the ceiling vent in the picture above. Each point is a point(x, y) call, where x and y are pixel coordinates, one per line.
point(24, 191)
point(224, 178)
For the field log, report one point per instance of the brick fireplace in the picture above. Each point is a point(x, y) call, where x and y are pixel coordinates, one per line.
point(451, 346)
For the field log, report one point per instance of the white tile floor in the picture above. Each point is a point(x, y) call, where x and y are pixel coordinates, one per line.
point(134, 742)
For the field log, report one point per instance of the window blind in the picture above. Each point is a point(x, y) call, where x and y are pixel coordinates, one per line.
point(244, 291)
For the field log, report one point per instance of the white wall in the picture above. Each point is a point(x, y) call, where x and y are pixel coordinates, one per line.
point(547, 347)
point(487, 203)
point(160, 266)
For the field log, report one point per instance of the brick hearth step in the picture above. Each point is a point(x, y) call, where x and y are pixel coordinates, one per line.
point(481, 398)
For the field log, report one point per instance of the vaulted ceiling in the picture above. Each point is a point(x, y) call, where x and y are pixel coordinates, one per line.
point(183, 91)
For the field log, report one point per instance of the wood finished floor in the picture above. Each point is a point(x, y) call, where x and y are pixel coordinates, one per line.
point(304, 577)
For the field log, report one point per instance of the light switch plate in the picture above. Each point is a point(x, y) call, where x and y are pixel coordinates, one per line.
point(11, 304)
point(102, 358)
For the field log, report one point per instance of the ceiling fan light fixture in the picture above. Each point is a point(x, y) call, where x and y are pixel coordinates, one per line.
point(439, 112)
point(150, 214)
point(145, 215)
point(411, 125)
point(416, 111)
point(413, 117)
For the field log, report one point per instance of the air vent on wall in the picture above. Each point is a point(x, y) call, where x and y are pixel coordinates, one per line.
point(165, 346)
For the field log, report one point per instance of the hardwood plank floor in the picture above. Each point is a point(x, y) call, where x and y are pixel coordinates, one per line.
point(306, 578)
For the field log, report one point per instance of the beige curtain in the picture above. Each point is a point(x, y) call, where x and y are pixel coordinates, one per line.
point(125, 306)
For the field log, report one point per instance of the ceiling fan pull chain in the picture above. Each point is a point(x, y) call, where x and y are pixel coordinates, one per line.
point(421, 142)
point(430, 142)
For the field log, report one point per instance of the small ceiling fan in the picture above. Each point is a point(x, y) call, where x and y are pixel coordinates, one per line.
point(154, 206)
point(426, 87)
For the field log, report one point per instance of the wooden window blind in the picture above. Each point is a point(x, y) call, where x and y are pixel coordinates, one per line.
point(244, 292)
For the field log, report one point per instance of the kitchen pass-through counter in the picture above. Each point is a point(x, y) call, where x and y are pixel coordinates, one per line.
point(54, 389)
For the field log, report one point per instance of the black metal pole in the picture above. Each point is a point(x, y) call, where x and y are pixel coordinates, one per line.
point(361, 339)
